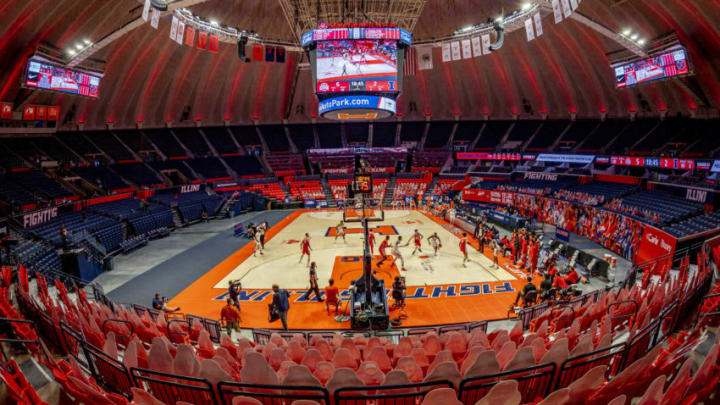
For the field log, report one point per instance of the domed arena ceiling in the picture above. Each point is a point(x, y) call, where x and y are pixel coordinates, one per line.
point(565, 71)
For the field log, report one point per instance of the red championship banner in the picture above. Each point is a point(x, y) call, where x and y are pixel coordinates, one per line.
point(214, 43)
point(202, 41)
point(190, 36)
point(6, 110)
point(40, 112)
point(258, 52)
point(29, 112)
point(654, 244)
point(53, 113)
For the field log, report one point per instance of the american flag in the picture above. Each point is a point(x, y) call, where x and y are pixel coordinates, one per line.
point(410, 65)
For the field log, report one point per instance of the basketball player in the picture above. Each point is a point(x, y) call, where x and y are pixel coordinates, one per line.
point(417, 238)
point(396, 252)
point(383, 245)
point(258, 244)
point(371, 241)
point(434, 241)
point(305, 248)
point(463, 249)
point(340, 231)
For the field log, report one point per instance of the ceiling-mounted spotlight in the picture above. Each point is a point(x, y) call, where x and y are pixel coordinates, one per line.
point(78, 46)
point(500, 19)
point(526, 6)
point(71, 52)
point(499, 28)
point(634, 37)
point(86, 41)
point(626, 32)
point(214, 23)
point(641, 41)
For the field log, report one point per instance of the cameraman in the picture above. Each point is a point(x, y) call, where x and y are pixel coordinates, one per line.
point(398, 291)
point(234, 288)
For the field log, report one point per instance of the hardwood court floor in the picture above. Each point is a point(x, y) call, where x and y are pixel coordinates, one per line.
point(440, 290)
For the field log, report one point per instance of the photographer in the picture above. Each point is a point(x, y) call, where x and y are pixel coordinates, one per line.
point(398, 291)
point(234, 288)
point(160, 304)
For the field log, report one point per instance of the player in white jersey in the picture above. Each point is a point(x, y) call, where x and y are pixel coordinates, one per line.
point(340, 231)
point(396, 252)
point(435, 242)
point(258, 244)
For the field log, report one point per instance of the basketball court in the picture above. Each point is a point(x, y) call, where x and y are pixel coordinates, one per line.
point(439, 289)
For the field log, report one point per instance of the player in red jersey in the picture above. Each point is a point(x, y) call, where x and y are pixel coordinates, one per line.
point(371, 241)
point(417, 238)
point(305, 248)
point(463, 249)
point(383, 245)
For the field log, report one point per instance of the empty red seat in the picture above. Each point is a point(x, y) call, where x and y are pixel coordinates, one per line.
point(380, 357)
point(441, 396)
point(256, 370)
point(312, 358)
point(300, 376)
point(343, 377)
point(503, 393)
point(523, 358)
point(324, 371)
point(185, 362)
point(211, 371)
point(343, 358)
point(243, 400)
point(370, 373)
point(485, 364)
point(411, 368)
point(445, 371)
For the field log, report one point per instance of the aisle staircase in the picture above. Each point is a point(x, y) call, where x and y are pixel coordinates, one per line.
point(389, 192)
point(328, 193)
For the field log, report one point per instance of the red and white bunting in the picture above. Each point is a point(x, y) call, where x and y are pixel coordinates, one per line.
point(529, 31)
point(538, 24)
point(190, 36)
point(410, 63)
point(466, 49)
point(446, 57)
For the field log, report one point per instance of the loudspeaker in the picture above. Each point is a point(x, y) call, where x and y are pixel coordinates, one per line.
point(241, 43)
point(500, 31)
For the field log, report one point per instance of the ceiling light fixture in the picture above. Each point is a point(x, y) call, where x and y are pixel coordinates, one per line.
point(78, 47)
point(634, 37)
point(626, 32)
point(526, 6)
point(641, 41)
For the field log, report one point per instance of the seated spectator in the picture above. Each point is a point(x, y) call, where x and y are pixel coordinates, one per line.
point(546, 285)
point(231, 315)
point(331, 296)
point(560, 283)
point(572, 276)
point(160, 304)
point(526, 289)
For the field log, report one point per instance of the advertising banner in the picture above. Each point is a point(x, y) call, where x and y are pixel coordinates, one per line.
point(488, 196)
point(559, 158)
point(655, 244)
point(39, 217)
point(562, 234)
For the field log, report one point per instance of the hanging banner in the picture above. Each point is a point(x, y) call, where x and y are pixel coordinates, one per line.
point(538, 24)
point(557, 11)
point(529, 30)
point(202, 40)
point(574, 4)
point(476, 47)
point(53, 113)
point(190, 36)
point(424, 54)
point(466, 49)
point(455, 47)
point(40, 112)
point(446, 52)
point(180, 34)
point(410, 63)
point(146, 10)
point(213, 43)
point(269, 53)
point(566, 8)
point(279, 54)
point(29, 112)
point(257, 52)
point(155, 20)
point(174, 27)
point(6, 110)
point(486, 44)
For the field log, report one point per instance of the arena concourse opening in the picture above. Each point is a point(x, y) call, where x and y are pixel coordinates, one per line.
point(359, 202)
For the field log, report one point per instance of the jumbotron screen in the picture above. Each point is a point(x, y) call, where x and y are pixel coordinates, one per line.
point(669, 64)
point(42, 75)
point(363, 65)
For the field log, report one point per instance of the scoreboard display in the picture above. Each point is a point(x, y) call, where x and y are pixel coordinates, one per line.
point(671, 63)
point(363, 184)
point(42, 75)
point(653, 162)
